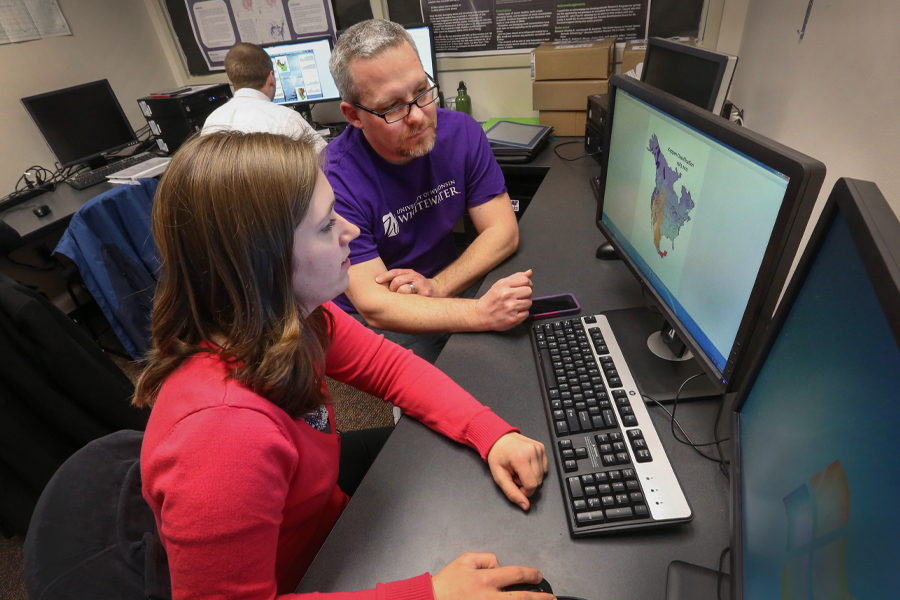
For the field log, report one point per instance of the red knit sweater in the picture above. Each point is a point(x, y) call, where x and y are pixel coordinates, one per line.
point(244, 495)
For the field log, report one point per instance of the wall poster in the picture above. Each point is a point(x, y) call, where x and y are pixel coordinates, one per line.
point(220, 24)
point(478, 27)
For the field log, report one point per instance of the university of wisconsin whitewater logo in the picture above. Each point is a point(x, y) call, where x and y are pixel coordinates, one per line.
point(391, 226)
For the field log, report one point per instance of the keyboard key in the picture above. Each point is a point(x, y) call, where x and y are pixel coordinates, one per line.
point(608, 501)
point(570, 466)
point(615, 475)
point(619, 447)
point(581, 453)
point(641, 511)
point(593, 503)
point(616, 436)
point(575, 488)
point(565, 444)
point(604, 489)
point(628, 473)
point(622, 458)
point(632, 486)
point(584, 420)
point(622, 499)
point(635, 434)
point(608, 460)
point(605, 448)
point(601, 477)
point(589, 518)
point(618, 487)
point(643, 456)
point(609, 418)
point(572, 420)
point(579, 505)
point(587, 479)
point(629, 420)
point(636, 497)
point(617, 514)
point(615, 382)
point(590, 490)
point(561, 428)
point(598, 422)
point(568, 454)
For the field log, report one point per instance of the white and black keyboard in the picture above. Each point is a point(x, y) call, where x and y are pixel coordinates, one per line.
point(613, 469)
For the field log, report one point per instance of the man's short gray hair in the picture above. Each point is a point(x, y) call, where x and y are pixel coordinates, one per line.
point(366, 39)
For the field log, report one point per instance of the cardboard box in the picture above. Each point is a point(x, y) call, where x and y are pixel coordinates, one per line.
point(574, 60)
point(633, 55)
point(564, 123)
point(565, 95)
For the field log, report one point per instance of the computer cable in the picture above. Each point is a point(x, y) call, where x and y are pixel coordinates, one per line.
point(721, 572)
point(687, 441)
point(556, 151)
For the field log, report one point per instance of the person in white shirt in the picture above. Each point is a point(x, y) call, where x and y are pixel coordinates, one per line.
point(250, 71)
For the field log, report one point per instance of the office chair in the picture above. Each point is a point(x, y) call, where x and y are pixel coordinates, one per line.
point(58, 392)
point(110, 241)
point(92, 534)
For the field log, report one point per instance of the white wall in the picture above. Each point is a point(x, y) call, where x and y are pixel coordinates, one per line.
point(832, 95)
point(111, 39)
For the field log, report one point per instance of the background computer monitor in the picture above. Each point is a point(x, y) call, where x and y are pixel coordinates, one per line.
point(302, 77)
point(696, 75)
point(423, 35)
point(815, 469)
point(81, 123)
point(708, 216)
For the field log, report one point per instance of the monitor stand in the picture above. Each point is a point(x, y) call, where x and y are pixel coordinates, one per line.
point(657, 372)
point(685, 581)
point(305, 111)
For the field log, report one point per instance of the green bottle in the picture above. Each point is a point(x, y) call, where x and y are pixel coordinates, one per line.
point(463, 102)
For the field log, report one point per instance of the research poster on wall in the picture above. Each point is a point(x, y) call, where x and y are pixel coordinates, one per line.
point(220, 24)
point(479, 27)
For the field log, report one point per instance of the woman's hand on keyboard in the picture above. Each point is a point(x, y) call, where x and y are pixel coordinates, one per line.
point(518, 465)
point(478, 576)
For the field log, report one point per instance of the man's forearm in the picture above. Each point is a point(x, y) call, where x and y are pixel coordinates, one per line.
point(409, 313)
point(488, 250)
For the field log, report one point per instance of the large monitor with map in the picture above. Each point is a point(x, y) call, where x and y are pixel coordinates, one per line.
point(302, 77)
point(708, 216)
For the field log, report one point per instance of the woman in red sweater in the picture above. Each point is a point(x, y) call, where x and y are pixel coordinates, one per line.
point(240, 459)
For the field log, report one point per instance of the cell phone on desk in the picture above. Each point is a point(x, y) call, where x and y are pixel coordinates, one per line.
point(553, 306)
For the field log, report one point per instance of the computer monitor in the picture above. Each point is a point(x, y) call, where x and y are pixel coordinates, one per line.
point(708, 216)
point(815, 469)
point(696, 75)
point(423, 35)
point(82, 123)
point(302, 77)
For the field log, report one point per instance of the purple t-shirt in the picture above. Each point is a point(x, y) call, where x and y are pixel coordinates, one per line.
point(406, 213)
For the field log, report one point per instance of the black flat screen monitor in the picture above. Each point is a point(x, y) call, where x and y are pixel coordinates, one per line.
point(696, 75)
point(301, 71)
point(81, 123)
point(815, 470)
point(707, 215)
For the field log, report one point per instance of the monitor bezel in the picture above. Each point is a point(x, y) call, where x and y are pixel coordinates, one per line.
point(430, 28)
point(92, 157)
point(875, 230)
point(318, 38)
point(721, 61)
point(805, 175)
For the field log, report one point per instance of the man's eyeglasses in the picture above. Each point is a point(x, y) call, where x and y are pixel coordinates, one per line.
point(398, 113)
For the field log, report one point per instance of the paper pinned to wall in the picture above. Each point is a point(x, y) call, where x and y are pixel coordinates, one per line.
point(24, 20)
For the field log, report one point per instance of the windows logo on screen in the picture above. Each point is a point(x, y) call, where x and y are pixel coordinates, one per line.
point(818, 512)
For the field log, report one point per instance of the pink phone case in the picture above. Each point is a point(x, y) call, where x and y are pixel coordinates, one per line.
point(557, 313)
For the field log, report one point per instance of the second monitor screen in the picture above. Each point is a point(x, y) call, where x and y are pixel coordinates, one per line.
point(694, 215)
point(301, 72)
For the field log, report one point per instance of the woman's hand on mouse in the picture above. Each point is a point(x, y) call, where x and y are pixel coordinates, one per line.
point(518, 465)
point(478, 576)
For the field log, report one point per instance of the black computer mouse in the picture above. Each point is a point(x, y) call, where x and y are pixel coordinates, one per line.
point(41, 211)
point(543, 586)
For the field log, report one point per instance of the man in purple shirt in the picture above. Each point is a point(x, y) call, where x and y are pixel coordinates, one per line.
point(405, 173)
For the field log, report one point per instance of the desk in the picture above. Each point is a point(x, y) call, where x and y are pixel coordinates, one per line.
point(427, 500)
point(63, 203)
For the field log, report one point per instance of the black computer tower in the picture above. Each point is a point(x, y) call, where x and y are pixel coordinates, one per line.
point(173, 116)
point(595, 127)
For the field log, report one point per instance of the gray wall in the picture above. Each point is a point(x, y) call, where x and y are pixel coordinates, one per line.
point(111, 39)
point(833, 95)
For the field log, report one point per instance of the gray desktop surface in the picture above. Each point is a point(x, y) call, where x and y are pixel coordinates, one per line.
point(427, 500)
point(63, 203)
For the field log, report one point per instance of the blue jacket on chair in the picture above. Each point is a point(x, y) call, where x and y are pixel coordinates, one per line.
point(111, 242)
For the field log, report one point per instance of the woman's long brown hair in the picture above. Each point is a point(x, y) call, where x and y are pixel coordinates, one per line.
point(224, 218)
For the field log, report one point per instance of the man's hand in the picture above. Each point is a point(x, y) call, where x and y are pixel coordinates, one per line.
point(518, 465)
point(478, 576)
point(506, 304)
point(407, 281)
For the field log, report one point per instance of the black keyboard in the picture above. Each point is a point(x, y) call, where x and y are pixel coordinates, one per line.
point(612, 467)
point(85, 179)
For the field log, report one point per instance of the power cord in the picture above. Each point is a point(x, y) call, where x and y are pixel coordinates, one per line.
point(687, 441)
point(556, 151)
point(721, 572)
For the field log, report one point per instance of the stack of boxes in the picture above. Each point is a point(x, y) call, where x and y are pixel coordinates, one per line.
point(565, 74)
point(633, 57)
